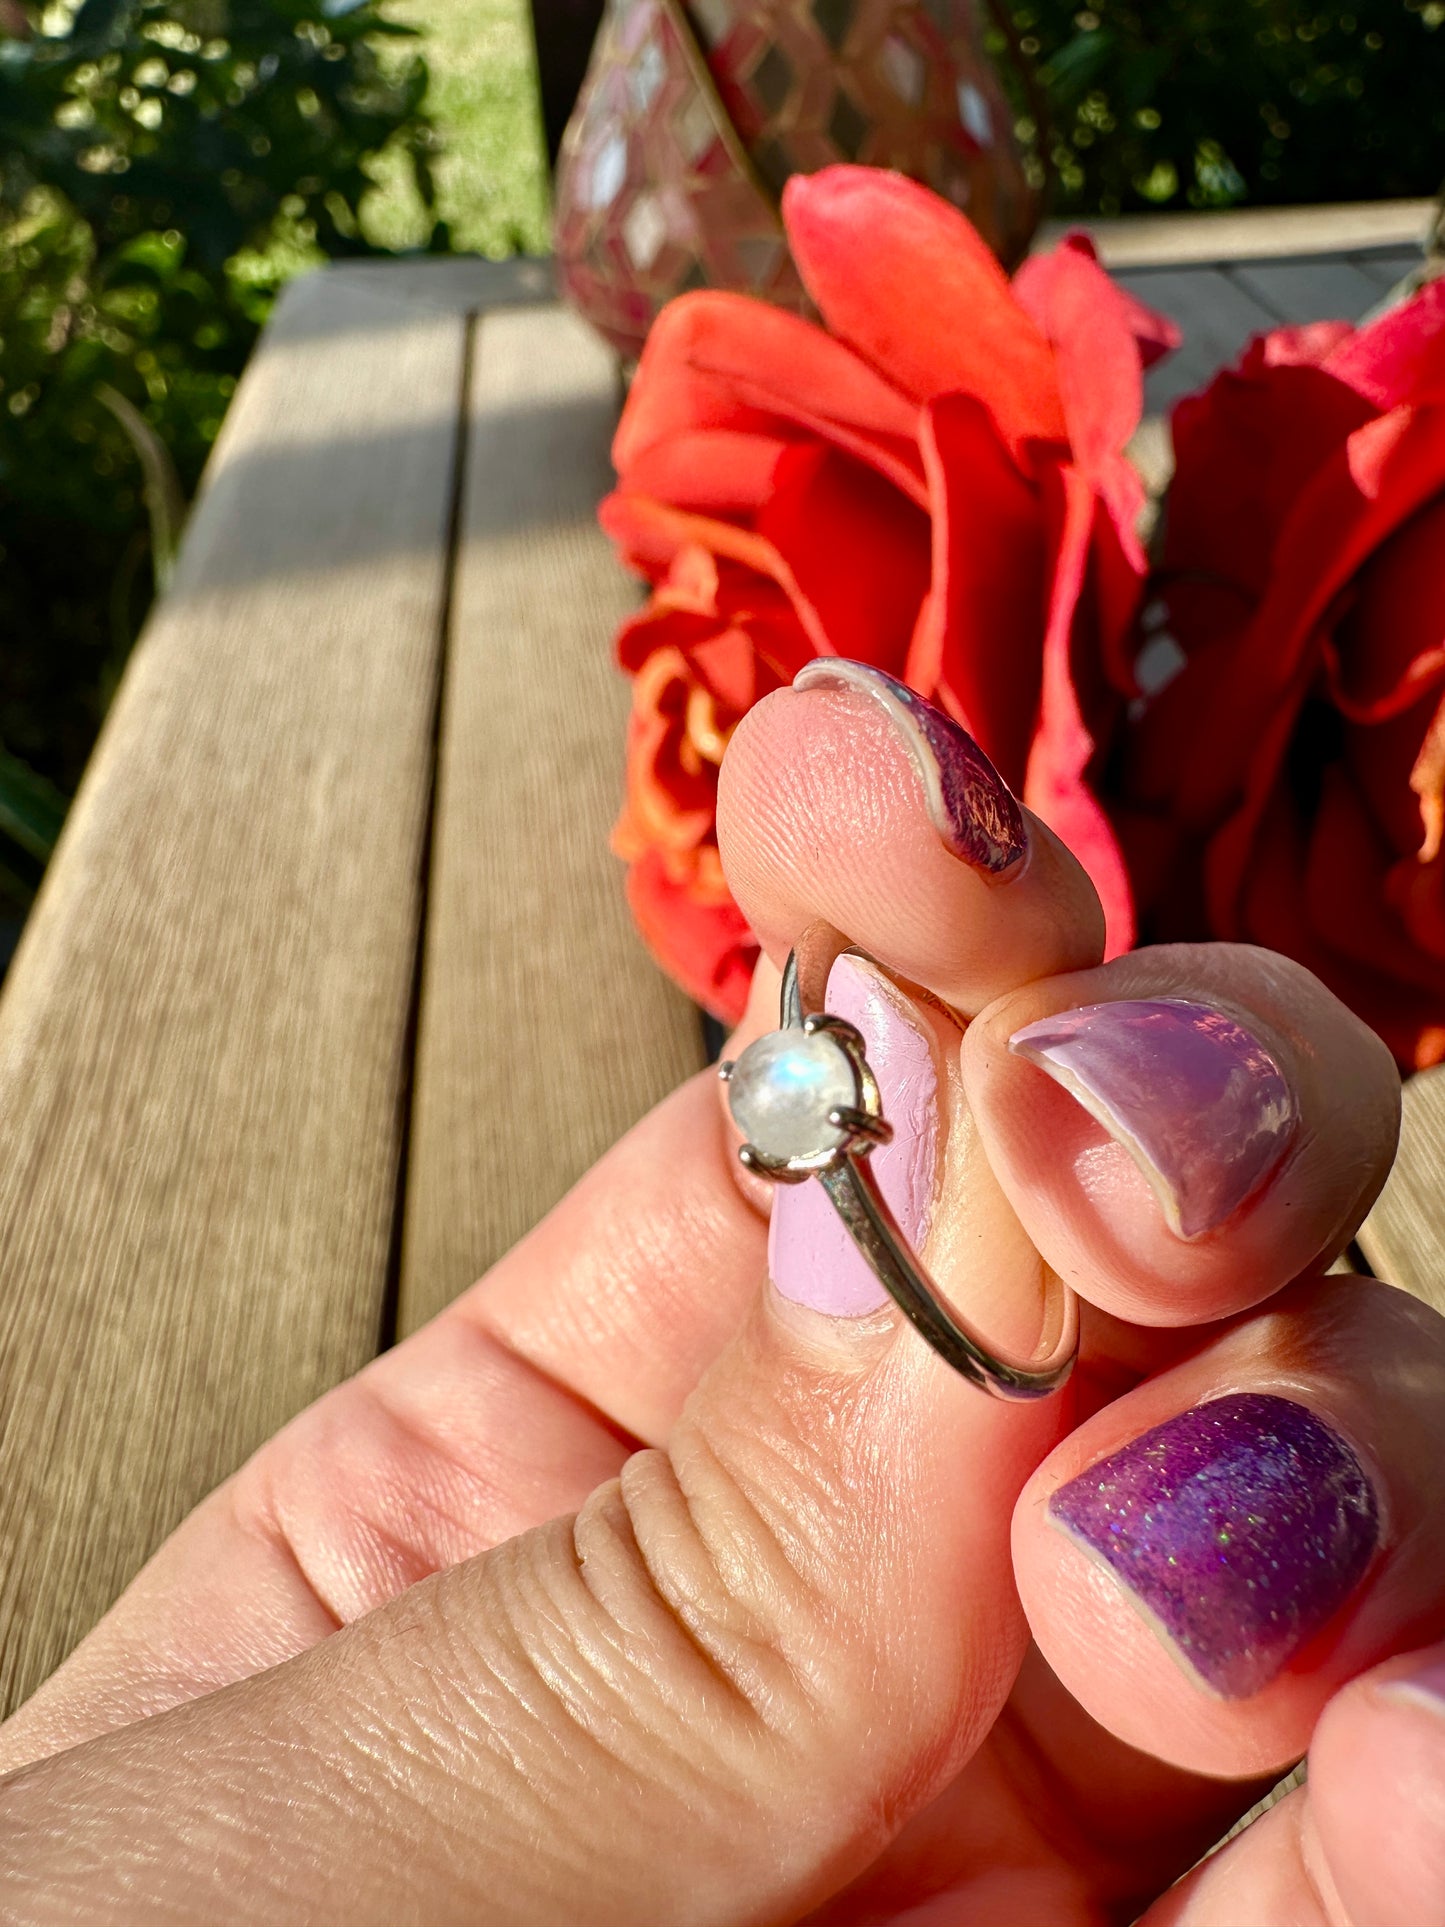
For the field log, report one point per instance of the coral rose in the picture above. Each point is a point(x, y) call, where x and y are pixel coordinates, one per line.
point(933, 481)
point(1288, 785)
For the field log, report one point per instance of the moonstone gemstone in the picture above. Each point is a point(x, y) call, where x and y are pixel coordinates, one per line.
point(782, 1089)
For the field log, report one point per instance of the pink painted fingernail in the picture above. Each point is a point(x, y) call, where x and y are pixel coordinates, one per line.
point(973, 809)
point(811, 1258)
point(1195, 1098)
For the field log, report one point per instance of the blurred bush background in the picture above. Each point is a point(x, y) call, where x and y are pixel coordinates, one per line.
point(166, 164)
point(162, 168)
point(1212, 103)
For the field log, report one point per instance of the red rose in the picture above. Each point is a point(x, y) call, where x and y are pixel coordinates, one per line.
point(1288, 785)
point(933, 482)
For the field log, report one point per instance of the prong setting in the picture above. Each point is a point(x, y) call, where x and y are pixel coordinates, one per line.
point(752, 1159)
point(865, 1130)
point(805, 1099)
point(822, 1023)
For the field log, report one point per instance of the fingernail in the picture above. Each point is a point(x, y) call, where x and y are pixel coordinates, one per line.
point(1239, 1527)
point(1424, 1687)
point(971, 806)
point(1194, 1098)
point(811, 1258)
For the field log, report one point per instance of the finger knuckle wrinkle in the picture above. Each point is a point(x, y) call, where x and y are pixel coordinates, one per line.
point(712, 1596)
point(363, 1506)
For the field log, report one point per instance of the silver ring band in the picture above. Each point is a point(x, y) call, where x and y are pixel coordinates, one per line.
point(838, 1158)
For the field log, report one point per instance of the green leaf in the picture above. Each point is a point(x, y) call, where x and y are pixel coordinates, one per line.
point(164, 497)
point(32, 809)
point(1079, 63)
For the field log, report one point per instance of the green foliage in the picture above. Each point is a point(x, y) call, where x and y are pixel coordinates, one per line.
point(1206, 103)
point(162, 163)
point(493, 186)
point(31, 813)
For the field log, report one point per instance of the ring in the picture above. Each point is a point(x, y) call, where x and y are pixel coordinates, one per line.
point(808, 1106)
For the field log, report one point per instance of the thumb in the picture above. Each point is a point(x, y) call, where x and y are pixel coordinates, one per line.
point(1377, 1772)
point(1361, 1844)
point(713, 1695)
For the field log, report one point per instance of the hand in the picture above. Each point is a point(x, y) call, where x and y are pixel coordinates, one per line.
point(627, 1592)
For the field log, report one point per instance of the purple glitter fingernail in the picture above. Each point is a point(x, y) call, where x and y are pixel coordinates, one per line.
point(1240, 1527)
point(973, 809)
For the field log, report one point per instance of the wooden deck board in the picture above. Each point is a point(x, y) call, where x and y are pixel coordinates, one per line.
point(544, 1030)
point(1220, 305)
point(1217, 317)
point(1253, 233)
point(1388, 266)
point(1321, 289)
point(202, 1040)
point(1404, 1236)
point(462, 284)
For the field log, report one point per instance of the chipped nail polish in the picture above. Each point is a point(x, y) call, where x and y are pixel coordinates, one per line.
point(811, 1257)
point(1240, 1527)
point(1194, 1098)
point(971, 806)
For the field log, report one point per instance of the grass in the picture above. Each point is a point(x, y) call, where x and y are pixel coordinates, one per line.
point(492, 172)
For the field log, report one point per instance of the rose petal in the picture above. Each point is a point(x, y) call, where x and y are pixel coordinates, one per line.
point(1167, 763)
point(711, 471)
point(1389, 647)
point(724, 361)
point(1379, 758)
point(1415, 891)
point(1273, 911)
point(1427, 780)
point(1399, 358)
point(662, 624)
point(706, 947)
point(857, 550)
point(1346, 873)
point(905, 279)
point(1365, 490)
point(671, 801)
point(727, 665)
point(1090, 324)
point(1119, 570)
point(979, 645)
point(650, 534)
point(1164, 872)
point(756, 590)
point(1308, 344)
point(1228, 855)
point(1155, 335)
point(1243, 448)
point(1063, 747)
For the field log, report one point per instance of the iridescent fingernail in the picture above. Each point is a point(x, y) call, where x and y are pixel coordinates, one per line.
point(972, 808)
point(1424, 1687)
point(1194, 1098)
point(1240, 1528)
